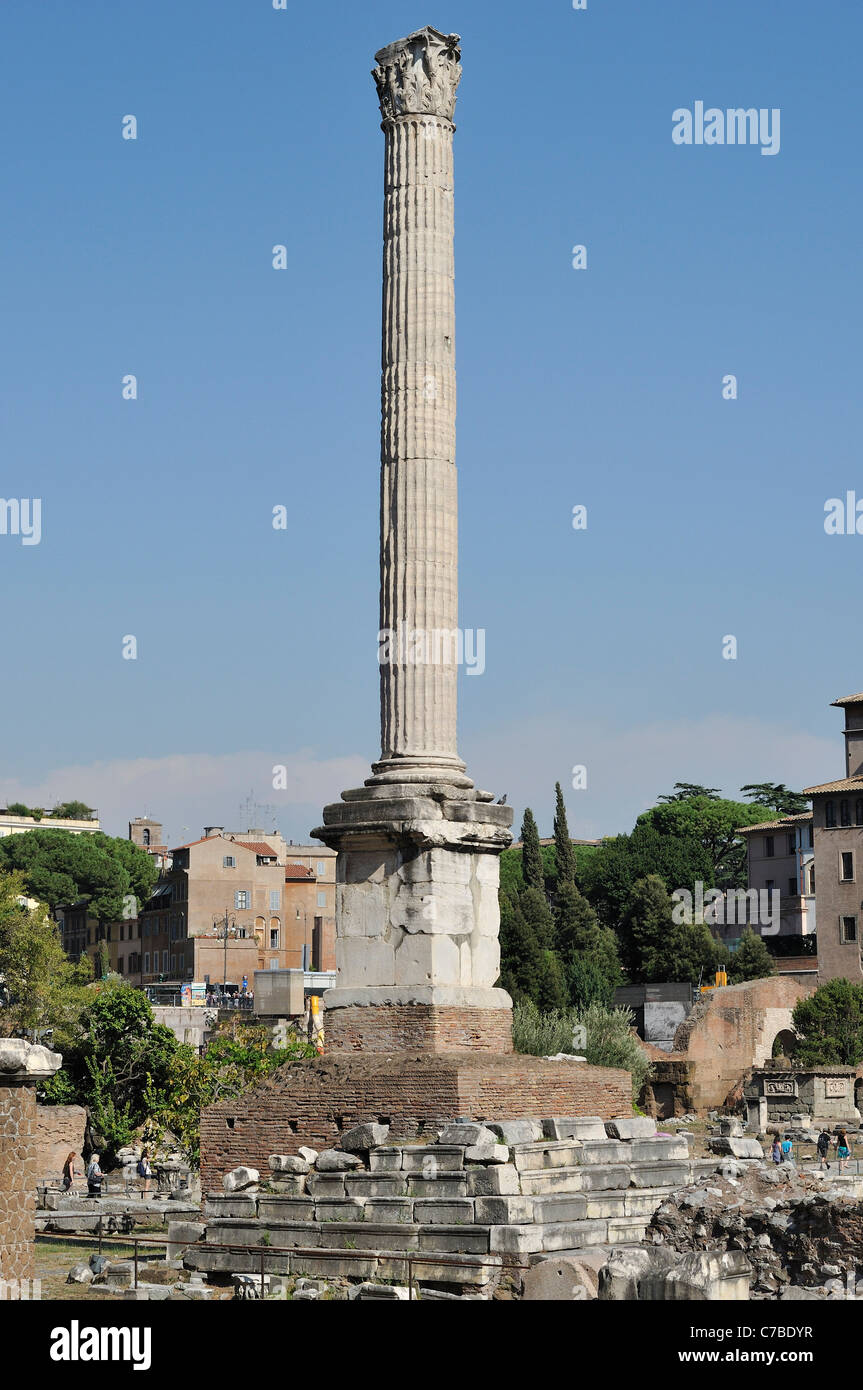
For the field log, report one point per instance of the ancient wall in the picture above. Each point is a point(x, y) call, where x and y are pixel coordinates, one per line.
point(728, 1032)
point(59, 1131)
point(312, 1102)
point(21, 1067)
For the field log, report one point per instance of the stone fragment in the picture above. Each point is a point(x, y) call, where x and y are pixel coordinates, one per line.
point(517, 1131)
point(182, 1234)
point(737, 1148)
point(487, 1153)
point(497, 1180)
point(578, 1127)
point(563, 1278)
point(308, 1154)
point(334, 1161)
point(239, 1179)
point(363, 1137)
point(287, 1163)
point(466, 1134)
point(630, 1127)
point(79, 1274)
point(731, 1127)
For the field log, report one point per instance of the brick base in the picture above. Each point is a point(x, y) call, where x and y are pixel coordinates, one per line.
point(313, 1102)
point(417, 1028)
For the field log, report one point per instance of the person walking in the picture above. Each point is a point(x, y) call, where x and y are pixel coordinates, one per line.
point(94, 1177)
point(69, 1173)
point(843, 1150)
point(145, 1171)
point(788, 1149)
point(822, 1149)
point(776, 1150)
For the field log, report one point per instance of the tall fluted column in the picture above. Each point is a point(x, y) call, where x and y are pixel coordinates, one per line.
point(417, 80)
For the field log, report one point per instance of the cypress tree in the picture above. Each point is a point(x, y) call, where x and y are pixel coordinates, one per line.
point(564, 857)
point(588, 983)
point(531, 855)
point(582, 942)
point(751, 960)
point(537, 914)
point(521, 959)
point(553, 991)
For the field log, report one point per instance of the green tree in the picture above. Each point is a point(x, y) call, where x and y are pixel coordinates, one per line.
point(564, 857)
point(686, 791)
point(656, 948)
point(776, 797)
point(829, 1026)
point(40, 988)
point(17, 808)
point(553, 991)
point(751, 960)
point(582, 941)
point(59, 867)
point(537, 914)
point(71, 810)
point(521, 959)
point(531, 855)
point(588, 983)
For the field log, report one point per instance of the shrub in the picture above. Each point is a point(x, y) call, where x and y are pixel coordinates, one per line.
point(610, 1042)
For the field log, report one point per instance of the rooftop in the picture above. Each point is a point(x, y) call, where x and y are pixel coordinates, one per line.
point(844, 784)
point(802, 816)
point(849, 700)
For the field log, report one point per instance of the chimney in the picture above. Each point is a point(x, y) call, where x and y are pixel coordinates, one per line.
point(853, 707)
point(212, 832)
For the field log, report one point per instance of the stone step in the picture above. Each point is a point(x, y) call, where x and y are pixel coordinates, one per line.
point(551, 1153)
point(354, 1264)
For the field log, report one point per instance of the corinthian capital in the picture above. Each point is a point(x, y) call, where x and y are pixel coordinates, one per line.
point(419, 75)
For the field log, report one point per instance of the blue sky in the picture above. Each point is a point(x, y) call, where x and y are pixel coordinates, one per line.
point(257, 387)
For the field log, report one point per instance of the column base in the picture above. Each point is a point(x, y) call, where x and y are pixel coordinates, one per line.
point(379, 1020)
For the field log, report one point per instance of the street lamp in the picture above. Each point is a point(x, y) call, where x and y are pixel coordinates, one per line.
point(226, 927)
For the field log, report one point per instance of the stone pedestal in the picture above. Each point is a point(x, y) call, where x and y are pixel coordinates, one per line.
point(21, 1067)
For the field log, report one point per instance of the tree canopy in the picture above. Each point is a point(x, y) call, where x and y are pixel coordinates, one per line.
point(829, 1025)
point(59, 868)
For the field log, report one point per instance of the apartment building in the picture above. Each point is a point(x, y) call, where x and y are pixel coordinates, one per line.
point(780, 857)
point(838, 820)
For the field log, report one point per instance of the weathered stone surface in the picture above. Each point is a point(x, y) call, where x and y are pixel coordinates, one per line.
point(515, 1240)
point(385, 1160)
point(327, 1184)
point(487, 1153)
point(375, 1185)
point(561, 1278)
point(698, 1277)
point(619, 1280)
point(444, 1185)
point(444, 1213)
point(505, 1211)
point(466, 1134)
point(630, 1127)
point(80, 1274)
point(577, 1127)
point(310, 1155)
point(737, 1148)
point(288, 1163)
point(443, 1158)
point(180, 1235)
point(495, 1180)
point(334, 1161)
point(363, 1137)
point(517, 1131)
point(241, 1178)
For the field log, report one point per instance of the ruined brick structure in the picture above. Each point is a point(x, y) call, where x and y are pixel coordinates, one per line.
point(314, 1102)
point(21, 1067)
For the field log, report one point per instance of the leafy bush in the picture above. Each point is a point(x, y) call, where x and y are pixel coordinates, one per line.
point(610, 1042)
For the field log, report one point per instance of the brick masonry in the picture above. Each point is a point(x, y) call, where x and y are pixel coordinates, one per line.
point(18, 1177)
point(60, 1130)
point(417, 1027)
point(313, 1102)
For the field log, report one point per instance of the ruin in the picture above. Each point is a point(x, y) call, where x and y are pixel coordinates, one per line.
point(22, 1067)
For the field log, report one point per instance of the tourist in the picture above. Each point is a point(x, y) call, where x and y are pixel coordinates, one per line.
point(69, 1174)
point(788, 1149)
point(94, 1177)
point(823, 1149)
point(843, 1150)
point(145, 1171)
point(776, 1150)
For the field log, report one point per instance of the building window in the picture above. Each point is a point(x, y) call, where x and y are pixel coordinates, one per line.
point(830, 814)
point(173, 965)
point(322, 900)
point(274, 937)
point(229, 861)
point(242, 898)
point(792, 887)
point(146, 962)
point(164, 961)
point(812, 880)
point(321, 868)
point(792, 844)
point(768, 846)
point(846, 866)
point(298, 914)
point(858, 811)
point(812, 834)
point(146, 837)
point(849, 929)
point(275, 899)
point(845, 812)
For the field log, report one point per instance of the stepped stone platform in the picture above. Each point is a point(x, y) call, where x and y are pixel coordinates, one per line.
point(489, 1202)
point(313, 1102)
